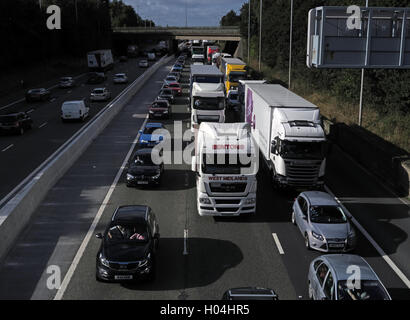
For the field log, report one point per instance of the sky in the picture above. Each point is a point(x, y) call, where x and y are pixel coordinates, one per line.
point(172, 12)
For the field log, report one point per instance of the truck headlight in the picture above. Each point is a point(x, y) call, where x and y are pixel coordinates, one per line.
point(250, 201)
point(150, 111)
point(204, 201)
point(317, 236)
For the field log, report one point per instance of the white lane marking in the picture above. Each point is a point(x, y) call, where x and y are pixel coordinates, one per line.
point(7, 148)
point(53, 99)
point(185, 253)
point(90, 233)
point(278, 245)
point(30, 111)
point(43, 125)
point(385, 257)
point(11, 104)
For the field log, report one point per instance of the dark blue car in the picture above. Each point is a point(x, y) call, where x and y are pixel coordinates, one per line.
point(147, 138)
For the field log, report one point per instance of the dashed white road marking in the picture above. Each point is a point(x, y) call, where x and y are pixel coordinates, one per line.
point(185, 253)
point(385, 257)
point(43, 125)
point(7, 148)
point(278, 245)
point(30, 111)
point(60, 293)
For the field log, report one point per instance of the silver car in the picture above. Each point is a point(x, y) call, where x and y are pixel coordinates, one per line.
point(323, 223)
point(120, 78)
point(170, 79)
point(344, 277)
point(100, 94)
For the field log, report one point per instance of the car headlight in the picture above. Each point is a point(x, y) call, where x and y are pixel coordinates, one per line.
point(150, 111)
point(250, 201)
point(144, 141)
point(351, 234)
point(103, 260)
point(145, 262)
point(204, 201)
point(317, 236)
point(130, 176)
point(156, 176)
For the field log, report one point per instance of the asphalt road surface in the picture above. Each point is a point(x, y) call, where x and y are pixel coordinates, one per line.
point(199, 257)
point(20, 155)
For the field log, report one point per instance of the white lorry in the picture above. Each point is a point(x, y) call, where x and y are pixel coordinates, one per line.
point(226, 164)
point(289, 133)
point(207, 95)
point(100, 60)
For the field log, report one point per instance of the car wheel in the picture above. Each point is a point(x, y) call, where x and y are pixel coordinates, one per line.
point(293, 218)
point(307, 242)
point(310, 291)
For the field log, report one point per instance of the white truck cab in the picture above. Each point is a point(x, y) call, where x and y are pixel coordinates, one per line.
point(226, 164)
point(207, 95)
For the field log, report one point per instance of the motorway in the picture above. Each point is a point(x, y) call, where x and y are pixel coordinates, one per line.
point(27, 152)
point(199, 257)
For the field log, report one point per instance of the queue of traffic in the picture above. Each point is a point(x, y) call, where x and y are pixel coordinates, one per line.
point(275, 124)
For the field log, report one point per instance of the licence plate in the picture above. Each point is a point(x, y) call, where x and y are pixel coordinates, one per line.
point(124, 277)
point(142, 182)
point(336, 245)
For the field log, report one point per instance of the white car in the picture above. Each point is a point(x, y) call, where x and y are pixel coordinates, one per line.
point(151, 56)
point(120, 78)
point(100, 94)
point(143, 63)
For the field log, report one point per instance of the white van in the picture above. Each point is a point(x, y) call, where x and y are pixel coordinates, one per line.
point(74, 110)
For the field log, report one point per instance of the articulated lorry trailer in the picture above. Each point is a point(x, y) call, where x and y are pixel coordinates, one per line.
point(100, 60)
point(207, 95)
point(226, 164)
point(234, 70)
point(289, 133)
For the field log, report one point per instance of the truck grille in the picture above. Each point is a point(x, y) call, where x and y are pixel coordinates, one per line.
point(302, 173)
point(228, 187)
point(227, 201)
point(207, 119)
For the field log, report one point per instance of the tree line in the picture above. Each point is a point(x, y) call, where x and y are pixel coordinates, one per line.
point(386, 90)
point(85, 25)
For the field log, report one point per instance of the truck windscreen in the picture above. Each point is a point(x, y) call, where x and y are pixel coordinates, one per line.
point(236, 76)
point(208, 103)
point(197, 50)
point(302, 150)
point(207, 79)
point(224, 164)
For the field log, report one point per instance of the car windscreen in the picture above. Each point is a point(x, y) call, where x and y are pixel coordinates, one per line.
point(159, 105)
point(327, 214)
point(174, 85)
point(149, 130)
point(98, 91)
point(369, 290)
point(166, 92)
point(119, 232)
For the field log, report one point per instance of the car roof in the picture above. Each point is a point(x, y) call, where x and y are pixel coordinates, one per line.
point(132, 213)
point(341, 262)
point(154, 125)
point(320, 198)
point(99, 88)
point(120, 74)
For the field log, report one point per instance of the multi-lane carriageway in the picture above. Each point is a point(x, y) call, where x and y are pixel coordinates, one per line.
point(199, 257)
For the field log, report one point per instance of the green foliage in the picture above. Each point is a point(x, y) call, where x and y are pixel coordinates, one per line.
point(385, 91)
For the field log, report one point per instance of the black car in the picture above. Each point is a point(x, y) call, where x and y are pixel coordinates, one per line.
point(123, 59)
point(15, 122)
point(142, 170)
point(40, 94)
point(129, 245)
point(250, 293)
point(96, 78)
point(166, 94)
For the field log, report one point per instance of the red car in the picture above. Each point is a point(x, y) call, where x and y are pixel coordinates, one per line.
point(175, 87)
point(160, 109)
